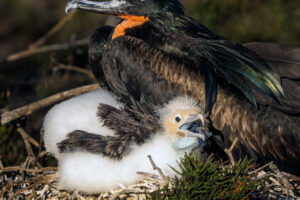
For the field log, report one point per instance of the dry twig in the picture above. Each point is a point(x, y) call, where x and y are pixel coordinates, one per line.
point(156, 168)
point(147, 175)
point(44, 49)
point(26, 188)
point(25, 137)
point(52, 31)
point(17, 168)
point(32, 195)
point(74, 68)
point(285, 180)
point(229, 151)
point(9, 116)
point(291, 176)
point(261, 168)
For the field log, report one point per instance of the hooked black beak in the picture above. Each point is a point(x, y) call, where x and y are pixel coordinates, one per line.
point(193, 125)
point(104, 7)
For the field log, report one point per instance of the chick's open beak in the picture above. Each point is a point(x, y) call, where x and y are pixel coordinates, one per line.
point(192, 126)
point(104, 7)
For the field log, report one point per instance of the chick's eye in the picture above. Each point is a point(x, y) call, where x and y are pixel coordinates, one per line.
point(177, 119)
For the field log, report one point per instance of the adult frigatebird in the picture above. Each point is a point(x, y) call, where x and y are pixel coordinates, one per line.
point(156, 52)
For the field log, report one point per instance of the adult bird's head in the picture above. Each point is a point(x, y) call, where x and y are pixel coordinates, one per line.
point(142, 8)
point(133, 12)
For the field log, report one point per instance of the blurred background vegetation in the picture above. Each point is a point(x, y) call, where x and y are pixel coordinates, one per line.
point(32, 78)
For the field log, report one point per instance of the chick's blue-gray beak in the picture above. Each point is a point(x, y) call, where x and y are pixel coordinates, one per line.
point(194, 138)
point(192, 126)
point(104, 7)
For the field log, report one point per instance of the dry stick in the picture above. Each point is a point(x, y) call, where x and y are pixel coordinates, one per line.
point(42, 192)
point(17, 168)
point(52, 31)
point(27, 145)
point(9, 116)
point(76, 195)
point(145, 174)
point(127, 192)
point(285, 181)
point(156, 168)
point(26, 188)
point(32, 158)
point(291, 176)
point(44, 49)
point(40, 153)
point(2, 167)
point(229, 151)
point(11, 187)
point(32, 195)
point(261, 168)
point(27, 137)
point(74, 68)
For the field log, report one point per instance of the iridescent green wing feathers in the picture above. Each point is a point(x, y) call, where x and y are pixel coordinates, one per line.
point(238, 65)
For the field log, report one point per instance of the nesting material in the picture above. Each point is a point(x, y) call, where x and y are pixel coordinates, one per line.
point(41, 183)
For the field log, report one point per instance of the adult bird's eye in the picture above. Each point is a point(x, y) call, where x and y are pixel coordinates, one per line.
point(177, 119)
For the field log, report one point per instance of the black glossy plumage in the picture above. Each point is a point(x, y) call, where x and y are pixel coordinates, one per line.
point(168, 56)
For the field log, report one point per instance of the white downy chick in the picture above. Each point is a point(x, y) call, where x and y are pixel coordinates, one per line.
point(95, 173)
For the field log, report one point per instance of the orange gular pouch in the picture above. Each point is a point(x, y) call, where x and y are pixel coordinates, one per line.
point(129, 21)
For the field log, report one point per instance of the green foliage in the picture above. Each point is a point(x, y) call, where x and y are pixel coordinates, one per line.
point(208, 179)
point(250, 20)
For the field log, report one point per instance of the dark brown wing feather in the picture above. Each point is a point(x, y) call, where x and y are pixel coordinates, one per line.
point(113, 147)
point(128, 122)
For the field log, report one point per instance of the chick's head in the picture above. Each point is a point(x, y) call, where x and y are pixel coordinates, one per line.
point(176, 112)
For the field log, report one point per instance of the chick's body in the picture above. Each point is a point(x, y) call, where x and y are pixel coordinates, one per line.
point(93, 173)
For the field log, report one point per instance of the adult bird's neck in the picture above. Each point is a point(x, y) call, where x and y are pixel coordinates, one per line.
point(149, 29)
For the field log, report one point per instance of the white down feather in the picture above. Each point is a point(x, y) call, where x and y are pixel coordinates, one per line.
point(77, 113)
point(92, 173)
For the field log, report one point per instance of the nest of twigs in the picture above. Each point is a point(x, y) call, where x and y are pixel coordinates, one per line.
point(238, 180)
point(38, 182)
point(42, 183)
